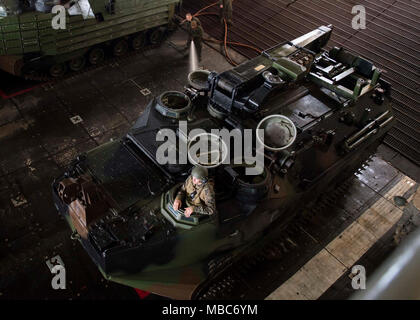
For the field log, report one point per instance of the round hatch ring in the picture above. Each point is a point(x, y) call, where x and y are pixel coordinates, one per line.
point(173, 104)
point(207, 150)
point(199, 80)
point(279, 132)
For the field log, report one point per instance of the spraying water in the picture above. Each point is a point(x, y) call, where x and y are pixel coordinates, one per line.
point(193, 57)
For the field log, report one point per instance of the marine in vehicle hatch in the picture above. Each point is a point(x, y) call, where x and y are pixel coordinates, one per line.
point(225, 7)
point(198, 193)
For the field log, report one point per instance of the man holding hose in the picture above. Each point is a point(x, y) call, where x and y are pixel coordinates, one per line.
point(225, 7)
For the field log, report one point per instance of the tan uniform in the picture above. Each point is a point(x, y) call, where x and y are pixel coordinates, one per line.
point(201, 197)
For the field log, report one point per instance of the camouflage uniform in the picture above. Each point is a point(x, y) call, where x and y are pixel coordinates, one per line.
point(201, 197)
point(196, 35)
point(226, 11)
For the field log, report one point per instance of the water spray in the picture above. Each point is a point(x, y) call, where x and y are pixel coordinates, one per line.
point(193, 57)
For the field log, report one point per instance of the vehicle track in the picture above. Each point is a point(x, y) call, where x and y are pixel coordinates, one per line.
point(50, 81)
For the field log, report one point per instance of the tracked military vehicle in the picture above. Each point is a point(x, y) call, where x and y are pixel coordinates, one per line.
point(30, 44)
point(317, 113)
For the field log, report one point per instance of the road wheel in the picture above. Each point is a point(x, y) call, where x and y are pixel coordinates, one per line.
point(77, 64)
point(120, 48)
point(96, 56)
point(156, 36)
point(138, 41)
point(58, 70)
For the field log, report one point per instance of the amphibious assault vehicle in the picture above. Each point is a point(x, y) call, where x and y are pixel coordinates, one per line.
point(29, 43)
point(317, 114)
